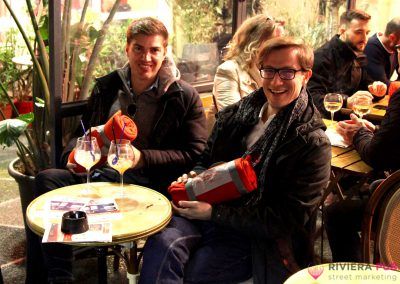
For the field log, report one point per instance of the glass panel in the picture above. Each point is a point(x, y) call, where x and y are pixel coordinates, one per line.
point(315, 21)
point(198, 32)
point(381, 11)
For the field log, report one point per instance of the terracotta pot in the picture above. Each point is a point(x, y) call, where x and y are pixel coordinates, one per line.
point(7, 110)
point(24, 107)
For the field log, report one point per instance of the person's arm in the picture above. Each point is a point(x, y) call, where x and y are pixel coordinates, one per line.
point(322, 82)
point(296, 195)
point(381, 149)
point(192, 138)
point(226, 88)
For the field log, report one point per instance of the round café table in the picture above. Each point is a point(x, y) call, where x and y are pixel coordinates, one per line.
point(143, 211)
point(346, 272)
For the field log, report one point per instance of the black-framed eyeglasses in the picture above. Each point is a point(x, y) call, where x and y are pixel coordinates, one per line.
point(284, 74)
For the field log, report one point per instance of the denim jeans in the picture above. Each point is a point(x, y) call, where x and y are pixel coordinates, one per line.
point(188, 251)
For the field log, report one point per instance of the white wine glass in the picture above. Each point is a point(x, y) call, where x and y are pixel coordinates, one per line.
point(121, 157)
point(87, 154)
point(332, 103)
point(362, 105)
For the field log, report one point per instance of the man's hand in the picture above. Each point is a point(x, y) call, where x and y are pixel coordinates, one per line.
point(138, 161)
point(378, 88)
point(349, 128)
point(71, 167)
point(184, 178)
point(198, 210)
point(351, 99)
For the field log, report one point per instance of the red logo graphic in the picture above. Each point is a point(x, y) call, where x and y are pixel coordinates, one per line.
point(315, 271)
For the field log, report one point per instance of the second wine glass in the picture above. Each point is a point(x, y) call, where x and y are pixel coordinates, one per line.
point(121, 157)
point(87, 154)
point(362, 105)
point(332, 103)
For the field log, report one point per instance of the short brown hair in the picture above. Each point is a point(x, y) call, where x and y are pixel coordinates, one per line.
point(305, 54)
point(393, 27)
point(350, 15)
point(146, 26)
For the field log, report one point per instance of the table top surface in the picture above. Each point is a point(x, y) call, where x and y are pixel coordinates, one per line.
point(345, 272)
point(143, 211)
point(347, 159)
point(378, 110)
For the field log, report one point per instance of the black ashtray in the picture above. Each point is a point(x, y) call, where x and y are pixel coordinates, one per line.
point(74, 222)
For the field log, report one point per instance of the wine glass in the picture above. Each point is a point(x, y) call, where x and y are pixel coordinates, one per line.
point(332, 103)
point(87, 154)
point(121, 157)
point(362, 105)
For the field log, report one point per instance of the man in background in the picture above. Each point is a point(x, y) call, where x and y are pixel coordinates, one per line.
point(382, 56)
point(340, 63)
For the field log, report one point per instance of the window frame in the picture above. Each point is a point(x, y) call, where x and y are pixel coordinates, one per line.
point(59, 110)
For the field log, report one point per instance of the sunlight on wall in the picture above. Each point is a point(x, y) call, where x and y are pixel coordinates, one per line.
point(381, 11)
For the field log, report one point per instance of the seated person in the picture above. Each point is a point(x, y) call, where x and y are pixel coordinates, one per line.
point(169, 117)
point(266, 233)
point(340, 64)
point(238, 76)
point(379, 148)
point(382, 57)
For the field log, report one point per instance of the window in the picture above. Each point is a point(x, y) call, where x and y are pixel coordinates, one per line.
point(314, 21)
point(381, 11)
point(198, 32)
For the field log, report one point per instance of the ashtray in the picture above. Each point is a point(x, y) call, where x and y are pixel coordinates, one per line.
point(74, 222)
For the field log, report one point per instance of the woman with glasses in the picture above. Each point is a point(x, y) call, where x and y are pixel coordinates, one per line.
point(238, 76)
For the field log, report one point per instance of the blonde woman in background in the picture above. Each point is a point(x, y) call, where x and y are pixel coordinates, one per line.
point(238, 76)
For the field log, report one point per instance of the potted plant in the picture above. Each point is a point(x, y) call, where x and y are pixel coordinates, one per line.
point(33, 150)
point(22, 84)
point(34, 155)
point(8, 71)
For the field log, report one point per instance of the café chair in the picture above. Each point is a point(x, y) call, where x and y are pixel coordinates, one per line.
point(380, 236)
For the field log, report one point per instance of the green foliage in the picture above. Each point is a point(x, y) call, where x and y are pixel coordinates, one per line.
point(314, 35)
point(11, 130)
point(196, 19)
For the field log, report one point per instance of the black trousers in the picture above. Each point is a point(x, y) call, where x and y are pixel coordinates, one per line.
point(342, 224)
point(343, 221)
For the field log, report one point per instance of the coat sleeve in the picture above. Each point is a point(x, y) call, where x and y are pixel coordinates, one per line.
point(381, 149)
point(226, 88)
point(322, 81)
point(376, 65)
point(192, 136)
point(290, 203)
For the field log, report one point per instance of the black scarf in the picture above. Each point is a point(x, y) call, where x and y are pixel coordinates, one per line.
point(262, 150)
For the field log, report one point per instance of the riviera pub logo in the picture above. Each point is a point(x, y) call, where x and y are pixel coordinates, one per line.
point(349, 272)
point(315, 271)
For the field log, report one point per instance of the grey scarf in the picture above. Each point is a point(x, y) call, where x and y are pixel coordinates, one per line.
point(262, 151)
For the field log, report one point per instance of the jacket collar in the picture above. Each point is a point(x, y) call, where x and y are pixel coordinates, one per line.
point(343, 48)
point(166, 81)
